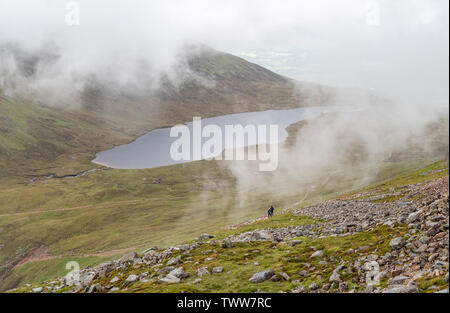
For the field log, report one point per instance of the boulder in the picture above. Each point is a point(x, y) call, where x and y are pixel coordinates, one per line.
point(397, 243)
point(132, 278)
point(227, 243)
point(169, 279)
point(335, 277)
point(317, 254)
point(413, 217)
point(202, 271)
point(165, 270)
point(304, 273)
point(217, 269)
point(398, 280)
point(174, 261)
point(343, 287)
point(95, 288)
point(402, 289)
point(205, 237)
point(260, 277)
point(127, 258)
point(179, 273)
point(294, 243)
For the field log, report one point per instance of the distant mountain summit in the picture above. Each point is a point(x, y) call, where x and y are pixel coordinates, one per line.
point(221, 66)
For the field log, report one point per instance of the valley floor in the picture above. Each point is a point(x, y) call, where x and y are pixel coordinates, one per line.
point(392, 237)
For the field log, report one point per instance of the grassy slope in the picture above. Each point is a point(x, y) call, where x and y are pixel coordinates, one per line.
point(86, 233)
point(239, 262)
point(37, 140)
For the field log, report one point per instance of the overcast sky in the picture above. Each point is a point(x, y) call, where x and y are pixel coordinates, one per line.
point(398, 47)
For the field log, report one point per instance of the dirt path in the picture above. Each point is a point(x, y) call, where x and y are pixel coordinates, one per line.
point(40, 254)
point(74, 208)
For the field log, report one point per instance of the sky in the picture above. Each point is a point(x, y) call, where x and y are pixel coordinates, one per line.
point(396, 47)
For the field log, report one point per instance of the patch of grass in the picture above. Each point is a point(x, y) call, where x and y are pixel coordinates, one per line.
point(392, 198)
point(425, 283)
point(239, 264)
point(41, 272)
point(278, 221)
point(411, 176)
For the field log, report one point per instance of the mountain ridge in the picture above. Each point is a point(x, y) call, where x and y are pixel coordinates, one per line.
point(214, 83)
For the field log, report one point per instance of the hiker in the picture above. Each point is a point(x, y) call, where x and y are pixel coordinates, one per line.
point(270, 212)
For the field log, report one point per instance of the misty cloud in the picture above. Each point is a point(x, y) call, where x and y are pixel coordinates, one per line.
point(331, 41)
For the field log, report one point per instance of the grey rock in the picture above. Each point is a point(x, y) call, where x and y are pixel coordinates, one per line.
point(402, 289)
point(294, 243)
point(304, 273)
point(202, 271)
point(397, 243)
point(37, 290)
point(227, 243)
point(169, 279)
point(335, 277)
point(434, 229)
point(413, 217)
point(398, 280)
point(128, 257)
point(132, 278)
point(260, 277)
point(317, 254)
point(363, 249)
point(95, 288)
point(369, 288)
point(165, 270)
point(217, 269)
point(179, 273)
point(174, 261)
point(285, 276)
point(205, 237)
point(343, 287)
point(299, 289)
point(115, 279)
